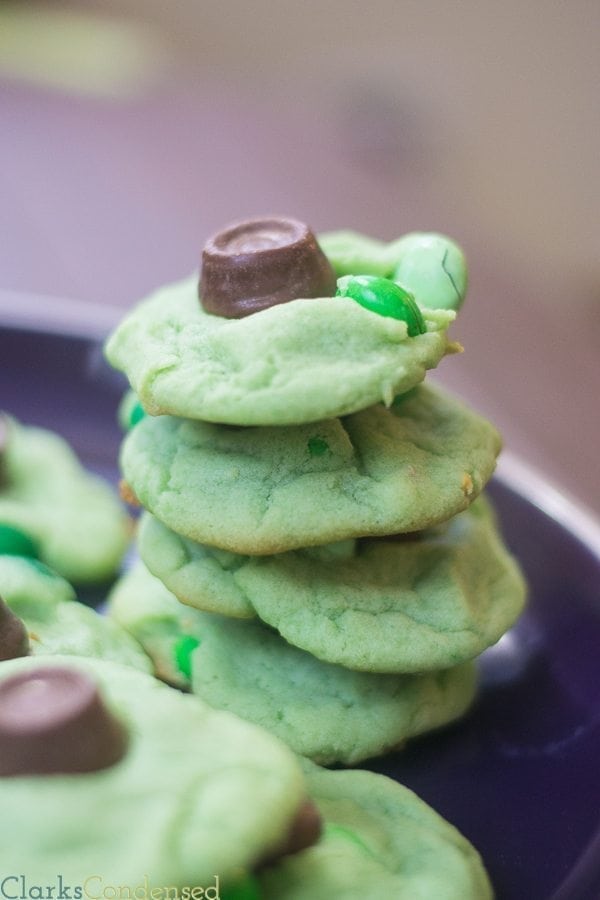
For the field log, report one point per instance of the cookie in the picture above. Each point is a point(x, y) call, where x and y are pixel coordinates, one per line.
point(56, 623)
point(267, 490)
point(326, 712)
point(113, 776)
point(165, 628)
point(379, 840)
point(292, 363)
point(428, 601)
point(51, 507)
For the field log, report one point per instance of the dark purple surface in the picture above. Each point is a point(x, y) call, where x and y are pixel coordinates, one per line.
point(520, 777)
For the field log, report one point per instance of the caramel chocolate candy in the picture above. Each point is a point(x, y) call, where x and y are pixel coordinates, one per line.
point(14, 640)
point(54, 721)
point(304, 831)
point(259, 263)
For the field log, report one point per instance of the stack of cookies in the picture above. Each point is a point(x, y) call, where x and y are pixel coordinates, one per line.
point(317, 554)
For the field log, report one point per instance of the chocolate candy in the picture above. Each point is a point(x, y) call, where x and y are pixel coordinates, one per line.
point(384, 297)
point(54, 721)
point(305, 831)
point(259, 263)
point(16, 542)
point(14, 640)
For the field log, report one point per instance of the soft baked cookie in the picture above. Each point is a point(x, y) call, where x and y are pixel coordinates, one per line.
point(296, 362)
point(379, 841)
point(109, 774)
point(323, 711)
point(56, 623)
point(165, 628)
point(267, 490)
point(425, 601)
point(69, 518)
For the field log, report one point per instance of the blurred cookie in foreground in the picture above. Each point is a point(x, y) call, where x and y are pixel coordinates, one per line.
point(379, 840)
point(52, 509)
point(89, 747)
point(55, 622)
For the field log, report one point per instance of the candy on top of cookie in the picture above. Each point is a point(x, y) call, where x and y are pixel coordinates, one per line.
point(259, 263)
point(54, 721)
point(268, 342)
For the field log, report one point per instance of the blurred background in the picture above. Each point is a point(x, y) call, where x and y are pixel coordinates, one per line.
point(132, 129)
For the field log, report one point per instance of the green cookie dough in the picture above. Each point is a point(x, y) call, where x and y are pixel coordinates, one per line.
point(296, 362)
point(198, 793)
point(267, 490)
point(322, 711)
point(379, 841)
point(141, 605)
point(374, 605)
point(429, 265)
point(74, 518)
point(56, 622)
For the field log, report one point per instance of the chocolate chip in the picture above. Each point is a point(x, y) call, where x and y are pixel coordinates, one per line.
point(304, 831)
point(259, 263)
point(54, 721)
point(14, 640)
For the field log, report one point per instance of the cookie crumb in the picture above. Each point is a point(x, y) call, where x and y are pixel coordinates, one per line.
point(127, 495)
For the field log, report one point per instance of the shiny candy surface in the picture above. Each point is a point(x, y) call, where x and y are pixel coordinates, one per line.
point(384, 297)
point(433, 268)
point(182, 652)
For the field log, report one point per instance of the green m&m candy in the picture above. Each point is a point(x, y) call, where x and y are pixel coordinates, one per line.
point(182, 652)
point(15, 542)
point(432, 267)
point(246, 889)
point(130, 411)
point(385, 297)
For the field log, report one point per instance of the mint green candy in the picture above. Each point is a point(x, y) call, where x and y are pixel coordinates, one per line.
point(384, 297)
point(247, 889)
point(182, 651)
point(317, 446)
point(136, 414)
point(130, 411)
point(15, 542)
point(432, 267)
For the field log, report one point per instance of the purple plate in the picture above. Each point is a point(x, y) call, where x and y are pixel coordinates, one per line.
point(520, 776)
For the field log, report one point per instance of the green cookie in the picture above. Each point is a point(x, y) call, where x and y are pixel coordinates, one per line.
point(413, 605)
point(56, 622)
point(322, 711)
point(74, 520)
point(164, 627)
point(198, 794)
point(267, 490)
point(379, 840)
point(293, 363)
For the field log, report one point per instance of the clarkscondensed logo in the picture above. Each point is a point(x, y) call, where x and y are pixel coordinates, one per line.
point(96, 887)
